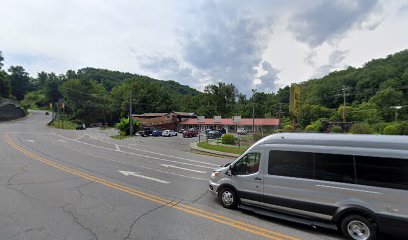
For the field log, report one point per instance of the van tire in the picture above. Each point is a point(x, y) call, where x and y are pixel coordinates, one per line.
point(228, 198)
point(353, 225)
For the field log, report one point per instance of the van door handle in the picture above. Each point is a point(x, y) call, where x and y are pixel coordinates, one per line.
point(258, 179)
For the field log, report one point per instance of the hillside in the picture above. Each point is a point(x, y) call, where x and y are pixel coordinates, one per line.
point(109, 79)
point(362, 83)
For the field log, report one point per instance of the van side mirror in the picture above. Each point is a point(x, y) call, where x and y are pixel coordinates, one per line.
point(230, 171)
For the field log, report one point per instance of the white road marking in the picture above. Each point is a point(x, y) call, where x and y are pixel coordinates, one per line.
point(190, 170)
point(142, 150)
point(30, 140)
point(127, 173)
point(117, 147)
point(130, 164)
point(80, 136)
point(134, 154)
point(60, 140)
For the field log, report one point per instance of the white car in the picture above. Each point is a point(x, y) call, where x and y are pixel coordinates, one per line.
point(169, 133)
point(242, 131)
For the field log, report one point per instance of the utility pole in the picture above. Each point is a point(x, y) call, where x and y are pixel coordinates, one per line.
point(130, 113)
point(253, 110)
point(344, 89)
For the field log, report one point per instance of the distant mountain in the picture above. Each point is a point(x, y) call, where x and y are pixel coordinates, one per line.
point(360, 84)
point(110, 79)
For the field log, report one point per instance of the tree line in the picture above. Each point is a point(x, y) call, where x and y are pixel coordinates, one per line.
point(99, 95)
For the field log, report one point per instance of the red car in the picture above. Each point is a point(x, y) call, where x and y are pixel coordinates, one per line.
point(189, 134)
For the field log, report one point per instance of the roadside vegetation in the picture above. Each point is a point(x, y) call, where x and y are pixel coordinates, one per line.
point(222, 148)
point(63, 124)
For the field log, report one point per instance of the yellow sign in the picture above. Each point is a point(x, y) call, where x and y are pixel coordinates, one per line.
point(294, 101)
point(50, 105)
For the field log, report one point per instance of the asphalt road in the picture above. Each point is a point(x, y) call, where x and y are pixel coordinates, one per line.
point(60, 184)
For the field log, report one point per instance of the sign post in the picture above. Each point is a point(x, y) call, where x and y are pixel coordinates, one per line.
point(200, 119)
point(294, 101)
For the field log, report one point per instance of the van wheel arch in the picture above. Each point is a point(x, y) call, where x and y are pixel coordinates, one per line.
point(347, 210)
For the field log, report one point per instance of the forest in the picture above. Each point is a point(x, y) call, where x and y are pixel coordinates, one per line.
point(97, 95)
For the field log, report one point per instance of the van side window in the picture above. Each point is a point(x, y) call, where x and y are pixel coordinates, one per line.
point(382, 172)
point(248, 164)
point(291, 164)
point(334, 167)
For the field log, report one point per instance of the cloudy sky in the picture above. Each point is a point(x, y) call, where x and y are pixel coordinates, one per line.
point(263, 44)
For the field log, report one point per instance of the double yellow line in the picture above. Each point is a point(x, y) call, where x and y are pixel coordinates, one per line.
point(159, 200)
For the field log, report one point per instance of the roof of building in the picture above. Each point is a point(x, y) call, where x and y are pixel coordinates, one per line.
point(185, 113)
point(229, 121)
point(150, 115)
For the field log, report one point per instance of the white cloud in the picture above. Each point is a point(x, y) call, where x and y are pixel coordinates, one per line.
point(265, 43)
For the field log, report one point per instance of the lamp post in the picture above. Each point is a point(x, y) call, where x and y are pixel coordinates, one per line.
point(396, 111)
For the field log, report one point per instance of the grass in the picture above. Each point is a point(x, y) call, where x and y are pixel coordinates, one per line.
point(221, 148)
point(64, 124)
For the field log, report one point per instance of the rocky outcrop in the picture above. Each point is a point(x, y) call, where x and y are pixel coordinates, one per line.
point(10, 110)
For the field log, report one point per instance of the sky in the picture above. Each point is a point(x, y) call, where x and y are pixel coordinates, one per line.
point(261, 44)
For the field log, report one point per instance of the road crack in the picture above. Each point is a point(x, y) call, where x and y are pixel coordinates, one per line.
point(168, 204)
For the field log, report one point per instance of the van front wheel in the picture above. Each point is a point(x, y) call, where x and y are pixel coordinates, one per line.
point(356, 227)
point(228, 198)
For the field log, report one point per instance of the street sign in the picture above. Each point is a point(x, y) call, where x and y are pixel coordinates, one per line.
point(236, 119)
point(294, 100)
point(200, 119)
point(217, 118)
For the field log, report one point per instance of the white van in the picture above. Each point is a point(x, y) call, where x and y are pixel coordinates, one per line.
point(355, 183)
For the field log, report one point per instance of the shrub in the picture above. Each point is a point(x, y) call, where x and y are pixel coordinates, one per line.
point(336, 129)
point(288, 128)
point(123, 126)
point(361, 128)
point(228, 139)
point(402, 128)
point(390, 130)
point(379, 127)
point(310, 128)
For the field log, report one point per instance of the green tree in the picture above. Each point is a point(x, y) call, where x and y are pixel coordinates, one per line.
point(361, 128)
point(19, 81)
point(4, 84)
point(385, 100)
point(124, 126)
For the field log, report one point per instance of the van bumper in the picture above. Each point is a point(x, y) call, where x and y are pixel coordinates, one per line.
point(213, 188)
point(393, 225)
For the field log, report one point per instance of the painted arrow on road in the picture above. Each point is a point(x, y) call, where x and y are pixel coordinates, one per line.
point(187, 169)
point(127, 173)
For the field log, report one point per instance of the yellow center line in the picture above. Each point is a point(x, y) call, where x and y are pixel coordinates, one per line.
point(159, 200)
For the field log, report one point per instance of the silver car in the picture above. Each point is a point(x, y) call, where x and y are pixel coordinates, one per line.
point(355, 183)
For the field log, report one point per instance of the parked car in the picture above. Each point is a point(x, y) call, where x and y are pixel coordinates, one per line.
point(81, 126)
point(169, 133)
point(182, 130)
point(242, 131)
point(214, 134)
point(208, 130)
point(146, 132)
point(356, 183)
point(189, 134)
point(157, 133)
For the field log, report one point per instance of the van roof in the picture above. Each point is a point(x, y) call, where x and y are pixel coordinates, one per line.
point(339, 140)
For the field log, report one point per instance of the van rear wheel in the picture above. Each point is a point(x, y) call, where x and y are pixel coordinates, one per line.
point(356, 227)
point(228, 198)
